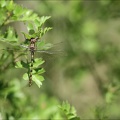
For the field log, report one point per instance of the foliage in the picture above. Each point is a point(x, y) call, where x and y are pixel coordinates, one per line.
point(70, 112)
point(100, 113)
point(88, 76)
point(34, 31)
point(91, 68)
point(13, 95)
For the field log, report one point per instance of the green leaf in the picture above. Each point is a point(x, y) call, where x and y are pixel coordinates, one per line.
point(38, 62)
point(37, 24)
point(22, 64)
point(47, 29)
point(3, 3)
point(69, 111)
point(25, 65)
point(10, 6)
point(28, 13)
point(18, 11)
point(73, 111)
point(30, 26)
point(39, 70)
point(25, 76)
point(70, 115)
point(18, 65)
point(11, 35)
point(37, 79)
point(27, 36)
point(43, 19)
point(31, 32)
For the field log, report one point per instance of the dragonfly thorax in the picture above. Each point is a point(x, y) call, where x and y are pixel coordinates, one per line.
point(32, 46)
point(33, 40)
point(32, 43)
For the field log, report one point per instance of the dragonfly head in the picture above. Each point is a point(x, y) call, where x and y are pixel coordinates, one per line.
point(33, 40)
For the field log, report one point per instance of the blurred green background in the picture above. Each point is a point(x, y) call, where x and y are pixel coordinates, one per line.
point(87, 73)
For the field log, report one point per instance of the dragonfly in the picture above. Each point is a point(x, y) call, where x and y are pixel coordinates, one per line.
point(32, 48)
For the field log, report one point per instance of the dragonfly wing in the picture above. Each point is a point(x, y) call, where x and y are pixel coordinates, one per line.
point(49, 52)
point(24, 46)
point(54, 51)
point(11, 45)
point(50, 56)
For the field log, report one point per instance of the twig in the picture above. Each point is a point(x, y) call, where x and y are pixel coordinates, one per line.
point(7, 18)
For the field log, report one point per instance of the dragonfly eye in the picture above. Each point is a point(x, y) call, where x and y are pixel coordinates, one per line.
point(34, 39)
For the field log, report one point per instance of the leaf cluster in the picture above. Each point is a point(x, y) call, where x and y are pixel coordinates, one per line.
point(11, 88)
point(69, 111)
point(12, 12)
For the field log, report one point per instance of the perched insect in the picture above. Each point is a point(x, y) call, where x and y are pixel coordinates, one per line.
point(32, 48)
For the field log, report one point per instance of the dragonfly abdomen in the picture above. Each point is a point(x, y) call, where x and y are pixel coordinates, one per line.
point(31, 68)
point(32, 50)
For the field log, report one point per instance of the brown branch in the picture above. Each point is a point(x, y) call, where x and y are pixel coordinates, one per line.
point(91, 65)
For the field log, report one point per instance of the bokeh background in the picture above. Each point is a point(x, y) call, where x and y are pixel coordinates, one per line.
point(87, 73)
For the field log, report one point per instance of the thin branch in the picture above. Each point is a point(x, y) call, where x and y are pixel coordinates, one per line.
point(7, 18)
point(93, 70)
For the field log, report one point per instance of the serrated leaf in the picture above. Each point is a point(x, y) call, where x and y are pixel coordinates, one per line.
point(30, 26)
point(3, 3)
point(37, 24)
point(43, 19)
point(25, 76)
point(40, 71)
point(68, 110)
point(43, 31)
point(37, 79)
point(38, 62)
point(10, 35)
point(67, 105)
point(27, 36)
point(47, 29)
point(21, 64)
point(25, 65)
point(28, 13)
point(70, 116)
point(18, 65)
point(18, 11)
point(72, 110)
point(10, 6)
